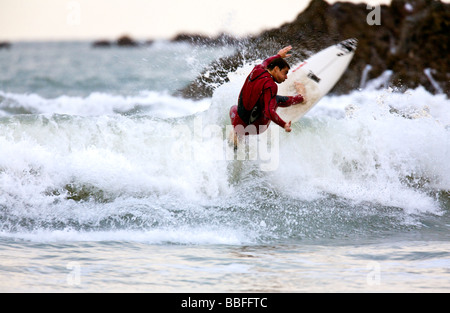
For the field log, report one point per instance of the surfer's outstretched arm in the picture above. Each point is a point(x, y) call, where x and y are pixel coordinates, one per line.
point(284, 102)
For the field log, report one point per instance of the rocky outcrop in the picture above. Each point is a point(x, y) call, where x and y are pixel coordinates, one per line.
point(410, 38)
point(126, 41)
point(101, 44)
point(122, 41)
point(197, 39)
point(5, 45)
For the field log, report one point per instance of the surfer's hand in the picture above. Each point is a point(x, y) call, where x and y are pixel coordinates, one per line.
point(300, 88)
point(283, 52)
point(287, 127)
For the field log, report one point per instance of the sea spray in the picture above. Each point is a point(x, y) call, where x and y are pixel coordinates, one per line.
point(376, 154)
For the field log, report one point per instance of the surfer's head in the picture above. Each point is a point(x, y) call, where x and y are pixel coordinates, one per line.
point(279, 69)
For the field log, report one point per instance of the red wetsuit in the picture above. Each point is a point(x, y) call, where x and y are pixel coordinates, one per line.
point(258, 102)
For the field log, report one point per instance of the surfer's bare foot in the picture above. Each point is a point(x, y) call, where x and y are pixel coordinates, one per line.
point(300, 88)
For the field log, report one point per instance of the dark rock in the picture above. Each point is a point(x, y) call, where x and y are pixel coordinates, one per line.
point(123, 41)
point(190, 38)
point(126, 41)
point(413, 36)
point(101, 44)
point(197, 39)
point(5, 45)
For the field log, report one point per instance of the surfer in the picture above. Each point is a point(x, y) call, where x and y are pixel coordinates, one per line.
point(258, 99)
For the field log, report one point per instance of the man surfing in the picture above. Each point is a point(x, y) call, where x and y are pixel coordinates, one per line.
point(258, 99)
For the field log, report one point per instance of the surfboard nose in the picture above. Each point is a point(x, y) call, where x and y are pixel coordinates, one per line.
point(348, 45)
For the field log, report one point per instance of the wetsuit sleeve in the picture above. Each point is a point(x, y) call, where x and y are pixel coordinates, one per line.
point(271, 105)
point(288, 101)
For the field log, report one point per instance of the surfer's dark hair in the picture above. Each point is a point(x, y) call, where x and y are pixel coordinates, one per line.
point(280, 62)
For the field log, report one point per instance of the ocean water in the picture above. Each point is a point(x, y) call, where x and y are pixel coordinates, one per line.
point(110, 183)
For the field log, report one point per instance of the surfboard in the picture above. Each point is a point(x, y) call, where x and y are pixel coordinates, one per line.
point(319, 73)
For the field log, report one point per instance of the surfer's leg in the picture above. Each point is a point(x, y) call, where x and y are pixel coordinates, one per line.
point(233, 139)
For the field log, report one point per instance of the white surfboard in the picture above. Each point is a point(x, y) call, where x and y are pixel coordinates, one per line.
point(319, 73)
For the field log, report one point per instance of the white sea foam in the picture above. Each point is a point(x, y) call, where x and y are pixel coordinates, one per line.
point(376, 146)
point(158, 104)
point(173, 235)
point(375, 154)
